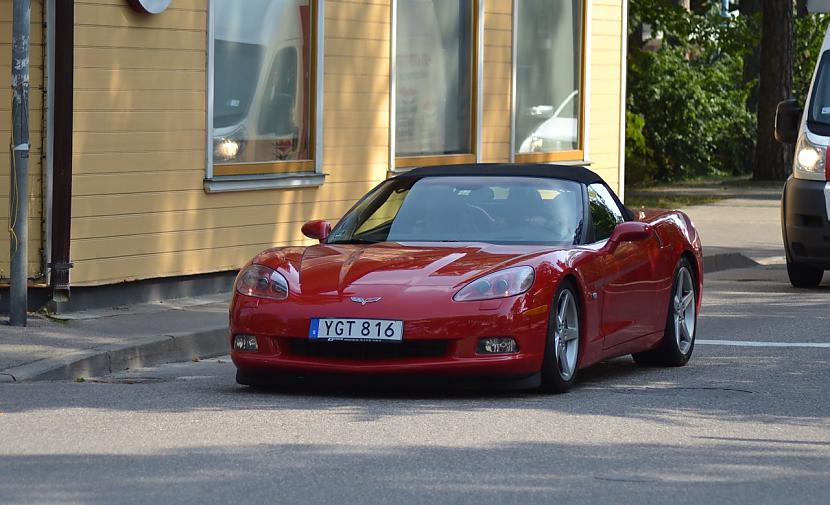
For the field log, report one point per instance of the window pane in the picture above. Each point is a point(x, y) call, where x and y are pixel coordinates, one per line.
point(605, 215)
point(261, 89)
point(820, 108)
point(433, 77)
point(548, 75)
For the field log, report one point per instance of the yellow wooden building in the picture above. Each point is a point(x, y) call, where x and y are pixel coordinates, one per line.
point(175, 139)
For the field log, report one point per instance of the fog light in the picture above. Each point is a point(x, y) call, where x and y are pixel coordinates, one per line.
point(245, 343)
point(497, 345)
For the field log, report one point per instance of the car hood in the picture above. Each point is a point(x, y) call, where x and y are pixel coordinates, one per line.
point(327, 269)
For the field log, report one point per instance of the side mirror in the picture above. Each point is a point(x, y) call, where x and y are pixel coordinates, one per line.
point(629, 231)
point(787, 120)
point(318, 229)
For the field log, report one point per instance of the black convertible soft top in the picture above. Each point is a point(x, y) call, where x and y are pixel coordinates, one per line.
point(568, 172)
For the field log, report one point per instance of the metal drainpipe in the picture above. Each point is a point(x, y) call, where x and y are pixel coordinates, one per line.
point(62, 164)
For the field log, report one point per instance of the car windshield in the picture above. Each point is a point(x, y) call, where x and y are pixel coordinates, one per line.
point(234, 86)
point(509, 210)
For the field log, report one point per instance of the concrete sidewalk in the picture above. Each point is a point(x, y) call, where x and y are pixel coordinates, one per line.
point(737, 232)
point(92, 343)
point(744, 224)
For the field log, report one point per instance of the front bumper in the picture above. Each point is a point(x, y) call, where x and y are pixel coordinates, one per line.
point(804, 216)
point(439, 339)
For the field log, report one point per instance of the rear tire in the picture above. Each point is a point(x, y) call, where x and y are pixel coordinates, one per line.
point(561, 360)
point(681, 323)
point(803, 276)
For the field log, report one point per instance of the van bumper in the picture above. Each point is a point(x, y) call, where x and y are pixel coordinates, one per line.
point(805, 224)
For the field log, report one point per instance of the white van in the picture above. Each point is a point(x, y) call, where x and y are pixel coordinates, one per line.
point(260, 81)
point(805, 207)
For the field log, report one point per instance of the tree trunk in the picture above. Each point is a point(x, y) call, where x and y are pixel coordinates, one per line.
point(685, 4)
point(773, 161)
point(752, 60)
point(752, 68)
point(801, 8)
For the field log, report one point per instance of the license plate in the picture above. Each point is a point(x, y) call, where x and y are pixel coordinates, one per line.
point(367, 330)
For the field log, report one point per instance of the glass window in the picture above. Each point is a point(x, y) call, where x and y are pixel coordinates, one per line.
point(512, 210)
point(820, 106)
point(605, 214)
point(261, 84)
point(433, 77)
point(548, 75)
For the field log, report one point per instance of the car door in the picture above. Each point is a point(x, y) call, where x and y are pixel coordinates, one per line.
point(625, 283)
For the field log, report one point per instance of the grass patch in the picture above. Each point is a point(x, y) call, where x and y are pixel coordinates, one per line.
point(667, 201)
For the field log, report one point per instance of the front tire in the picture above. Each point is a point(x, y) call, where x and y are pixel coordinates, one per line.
point(562, 346)
point(681, 324)
point(803, 276)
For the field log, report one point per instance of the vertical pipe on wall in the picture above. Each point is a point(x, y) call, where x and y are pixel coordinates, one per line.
point(62, 149)
point(19, 173)
point(48, 158)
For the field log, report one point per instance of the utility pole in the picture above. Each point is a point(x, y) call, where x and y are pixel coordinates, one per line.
point(19, 173)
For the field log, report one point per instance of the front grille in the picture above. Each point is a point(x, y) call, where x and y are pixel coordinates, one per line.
point(370, 350)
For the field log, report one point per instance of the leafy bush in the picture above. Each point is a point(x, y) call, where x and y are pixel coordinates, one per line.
point(687, 112)
point(690, 113)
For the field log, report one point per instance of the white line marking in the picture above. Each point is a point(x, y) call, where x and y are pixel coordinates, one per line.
point(752, 343)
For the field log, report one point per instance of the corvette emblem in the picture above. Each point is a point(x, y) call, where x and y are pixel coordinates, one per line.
point(364, 301)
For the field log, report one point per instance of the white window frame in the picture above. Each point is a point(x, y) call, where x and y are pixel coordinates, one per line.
point(226, 183)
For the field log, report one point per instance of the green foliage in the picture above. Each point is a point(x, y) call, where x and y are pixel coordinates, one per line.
point(687, 112)
point(686, 105)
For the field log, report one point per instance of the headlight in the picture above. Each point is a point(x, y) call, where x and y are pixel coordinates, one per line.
point(262, 282)
point(809, 157)
point(230, 147)
point(501, 284)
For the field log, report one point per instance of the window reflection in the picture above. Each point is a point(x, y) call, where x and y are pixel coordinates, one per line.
point(548, 75)
point(261, 88)
point(433, 77)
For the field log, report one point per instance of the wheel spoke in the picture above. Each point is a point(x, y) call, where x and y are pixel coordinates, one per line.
point(564, 366)
point(686, 334)
point(688, 299)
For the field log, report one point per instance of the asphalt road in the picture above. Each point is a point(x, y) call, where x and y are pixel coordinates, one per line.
point(746, 423)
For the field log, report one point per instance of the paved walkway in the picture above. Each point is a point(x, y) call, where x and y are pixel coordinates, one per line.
point(736, 233)
point(747, 221)
point(89, 343)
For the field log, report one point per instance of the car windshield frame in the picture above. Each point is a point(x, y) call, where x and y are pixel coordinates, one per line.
point(483, 208)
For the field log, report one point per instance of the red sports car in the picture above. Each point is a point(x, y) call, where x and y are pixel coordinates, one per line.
point(507, 271)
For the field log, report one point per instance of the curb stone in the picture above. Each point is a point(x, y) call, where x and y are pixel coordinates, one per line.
point(726, 261)
point(150, 351)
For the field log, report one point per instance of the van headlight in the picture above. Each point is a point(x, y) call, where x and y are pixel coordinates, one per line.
point(810, 158)
point(229, 147)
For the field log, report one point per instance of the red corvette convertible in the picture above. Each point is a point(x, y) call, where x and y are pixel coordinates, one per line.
point(528, 272)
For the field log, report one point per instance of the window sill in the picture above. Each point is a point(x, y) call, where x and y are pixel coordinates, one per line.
point(226, 184)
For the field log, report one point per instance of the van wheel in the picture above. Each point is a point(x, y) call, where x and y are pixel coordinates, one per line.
point(803, 276)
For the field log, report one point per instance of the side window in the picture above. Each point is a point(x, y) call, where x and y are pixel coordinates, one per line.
point(280, 98)
point(605, 214)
